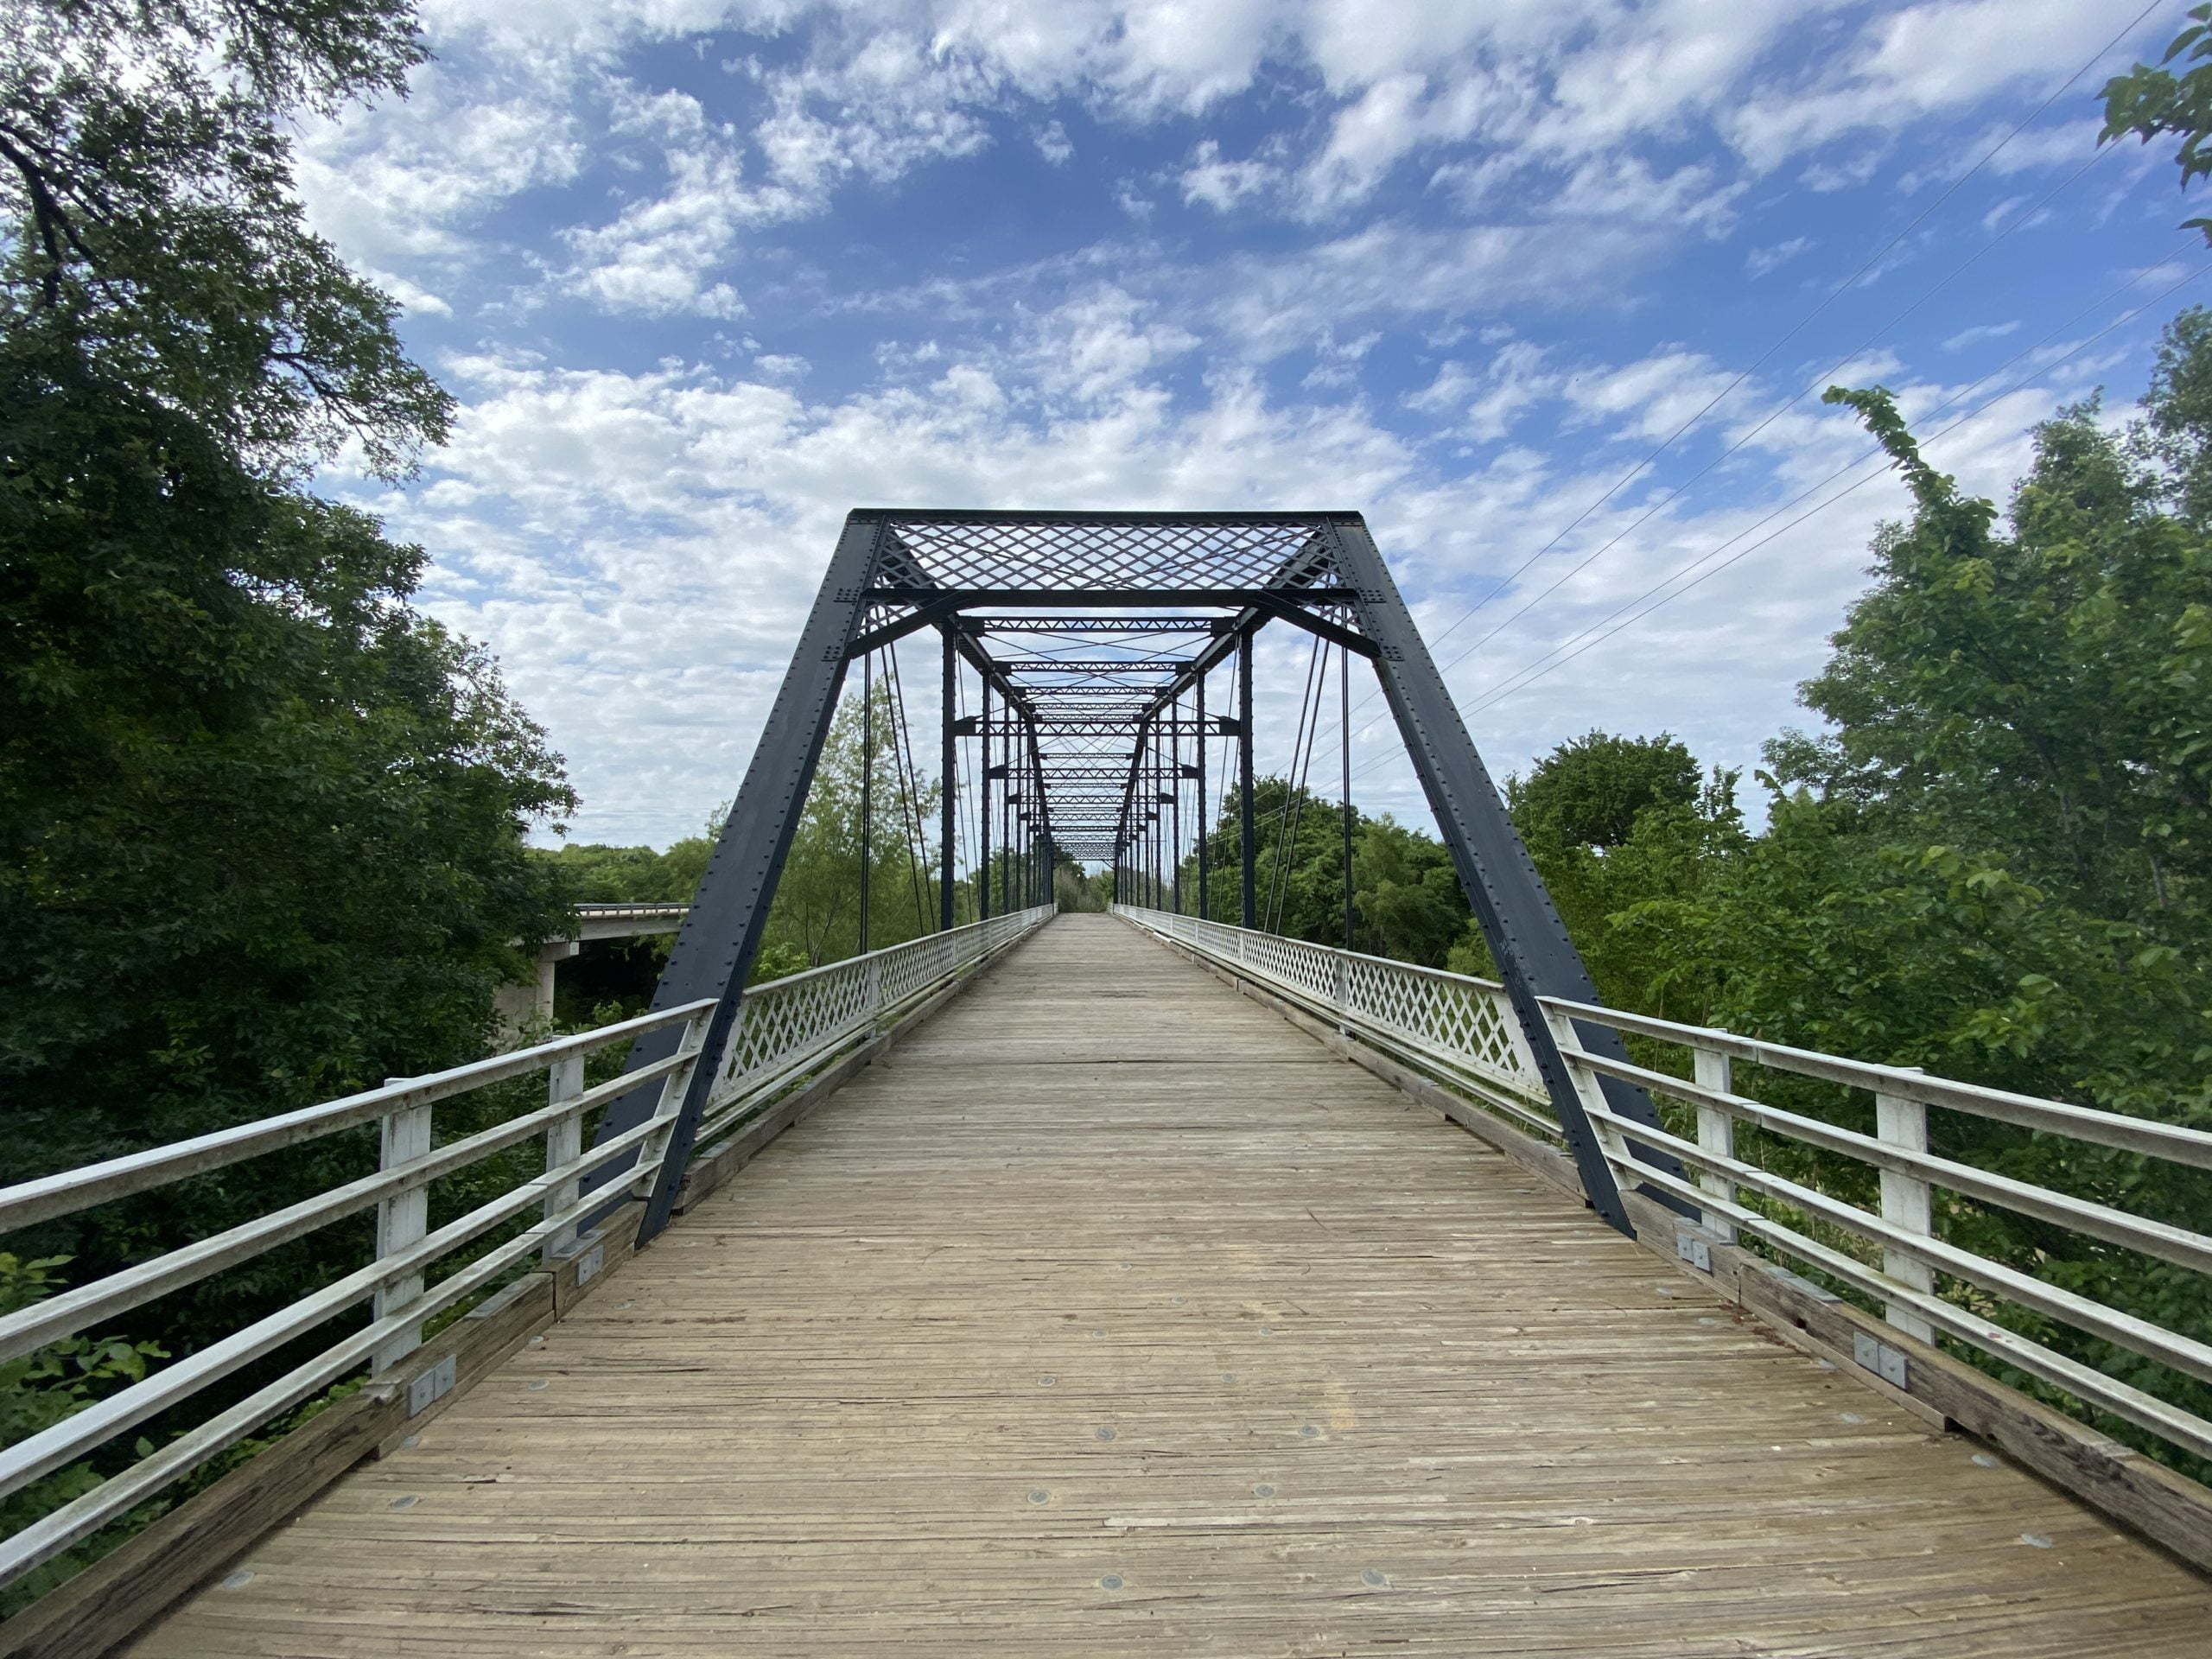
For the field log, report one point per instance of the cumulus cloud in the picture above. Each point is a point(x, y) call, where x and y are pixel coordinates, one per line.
point(1221, 184)
point(1459, 265)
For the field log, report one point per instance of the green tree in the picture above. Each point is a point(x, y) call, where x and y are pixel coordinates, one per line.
point(814, 917)
point(2048, 691)
point(261, 823)
point(1407, 900)
point(2152, 102)
point(155, 239)
point(1588, 790)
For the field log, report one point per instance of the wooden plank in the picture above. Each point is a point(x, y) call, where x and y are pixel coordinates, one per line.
point(2166, 1507)
point(1111, 1314)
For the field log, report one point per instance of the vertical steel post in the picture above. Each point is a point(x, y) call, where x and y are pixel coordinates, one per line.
point(1175, 772)
point(867, 787)
point(983, 816)
point(948, 761)
point(1251, 909)
point(1159, 824)
point(1343, 724)
point(1206, 826)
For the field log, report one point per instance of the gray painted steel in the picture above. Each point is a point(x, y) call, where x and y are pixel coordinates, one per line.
point(897, 570)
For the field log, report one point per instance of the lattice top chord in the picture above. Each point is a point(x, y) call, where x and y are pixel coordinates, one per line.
point(1078, 552)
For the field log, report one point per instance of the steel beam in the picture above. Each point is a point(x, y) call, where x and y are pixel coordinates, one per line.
point(720, 935)
point(1205, 824)
point(1054, 599)
point(949, 761)
point(1244, 833)
point(1528, 941)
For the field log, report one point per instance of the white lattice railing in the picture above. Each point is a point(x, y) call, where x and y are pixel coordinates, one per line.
point(1896, 1253)
point(787, 1028)
point(1458, 1026)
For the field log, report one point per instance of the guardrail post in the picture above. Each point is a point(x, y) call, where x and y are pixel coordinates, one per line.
point(564, 1144)
point(674, 1086)
point(1588, 1092)
point(1906, 1203)
point(1716, 1134)
point(402, 1220)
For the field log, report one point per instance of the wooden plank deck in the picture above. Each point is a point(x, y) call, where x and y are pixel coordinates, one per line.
point(1112, 1315)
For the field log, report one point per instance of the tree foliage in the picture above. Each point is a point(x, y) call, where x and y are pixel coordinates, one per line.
point(2153, 102)
point(261, 822)
point(154, 237)
point(1589, 791)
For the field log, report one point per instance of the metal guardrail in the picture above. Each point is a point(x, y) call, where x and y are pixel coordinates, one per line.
point(1462, 1030)
point(786, 1028)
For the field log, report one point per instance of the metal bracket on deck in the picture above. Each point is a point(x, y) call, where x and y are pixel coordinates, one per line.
point(1877, 1357)
point(1694, 1248)
point(426, 1387)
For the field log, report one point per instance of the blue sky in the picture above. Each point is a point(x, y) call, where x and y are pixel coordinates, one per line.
point(705, 276)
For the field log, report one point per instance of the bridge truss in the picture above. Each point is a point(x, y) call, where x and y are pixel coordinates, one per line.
point(1098, 638)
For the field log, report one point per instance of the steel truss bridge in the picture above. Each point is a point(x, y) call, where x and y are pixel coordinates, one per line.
point(1085, 1300)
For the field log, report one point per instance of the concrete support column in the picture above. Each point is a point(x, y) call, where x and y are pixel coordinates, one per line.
point(518, 1004)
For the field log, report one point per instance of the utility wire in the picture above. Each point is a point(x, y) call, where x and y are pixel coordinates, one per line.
point(1309, 721)
point(1832, 295)
point(910, 805)
point(1584, 640)
point(1776, 413)
point(1298, 789)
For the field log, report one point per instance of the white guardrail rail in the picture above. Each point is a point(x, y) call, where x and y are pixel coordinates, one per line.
point(1462, 1030)
point(786, 1029)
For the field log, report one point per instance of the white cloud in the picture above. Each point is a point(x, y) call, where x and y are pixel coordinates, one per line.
point(1651, 398)
point(1052, 143)
point(1945, 55)
point(411, 180)
point(1979, 331)
point(638, 545)
point(1760, 261)
point(1488, 401)
point(1220, 184)
point(660, 254)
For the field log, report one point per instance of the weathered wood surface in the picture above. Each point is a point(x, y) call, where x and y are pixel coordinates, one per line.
point(1112, 1315)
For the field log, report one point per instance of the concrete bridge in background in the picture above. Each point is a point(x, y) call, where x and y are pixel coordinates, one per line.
point(533, 1000)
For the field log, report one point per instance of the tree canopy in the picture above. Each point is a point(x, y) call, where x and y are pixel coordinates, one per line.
point(1588, 791)
point(156, 242)
point(2151, 101)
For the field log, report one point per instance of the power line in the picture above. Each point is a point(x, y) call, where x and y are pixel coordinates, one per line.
point(1832, 296)
point(1591, 637)
point(1864, 455)
point(1776, 413)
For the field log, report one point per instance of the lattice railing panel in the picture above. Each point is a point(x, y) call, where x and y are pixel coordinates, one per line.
point(1463, 1024)
point(785, 1023)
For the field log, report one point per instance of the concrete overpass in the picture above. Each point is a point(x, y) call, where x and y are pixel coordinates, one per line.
point(519, 1003)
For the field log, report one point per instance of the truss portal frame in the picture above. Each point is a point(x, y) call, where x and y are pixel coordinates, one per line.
point(1145, 606)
